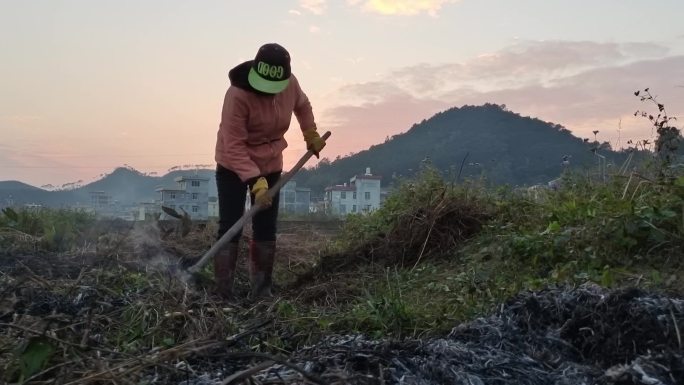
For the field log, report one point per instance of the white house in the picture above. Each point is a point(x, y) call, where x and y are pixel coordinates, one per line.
point(213, 209)
point(105, 205)
point(294, 200)
point(191, 195)
point(100, 201)
point(361, 195)
point(147, 210)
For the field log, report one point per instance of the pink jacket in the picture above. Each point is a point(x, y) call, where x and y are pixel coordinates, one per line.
point(250, 139)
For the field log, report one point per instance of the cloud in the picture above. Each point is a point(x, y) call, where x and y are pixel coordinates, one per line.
point(317, 7)
point(401, 7)
point(307, 65)
point(355, 60)
point(314, 29)
point(294, 12)
point(590, 87)
point(644, 49)
point(532, 62)
point(19, 119)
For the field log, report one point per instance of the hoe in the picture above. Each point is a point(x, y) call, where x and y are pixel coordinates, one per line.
point(225, 238)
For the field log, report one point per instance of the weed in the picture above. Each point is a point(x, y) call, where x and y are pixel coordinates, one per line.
point(423, 217)
point(45, 229)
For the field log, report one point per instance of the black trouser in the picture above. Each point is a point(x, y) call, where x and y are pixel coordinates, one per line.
point(231, 199)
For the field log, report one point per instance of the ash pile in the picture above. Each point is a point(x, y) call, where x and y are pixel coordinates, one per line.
point(585, 335)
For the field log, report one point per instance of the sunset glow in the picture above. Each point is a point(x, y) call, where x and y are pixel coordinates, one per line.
point(87, 86)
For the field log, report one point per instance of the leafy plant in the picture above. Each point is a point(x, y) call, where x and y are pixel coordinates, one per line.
point(668, 138)
point(33, 356)
point(11, 214)
point(384, 311)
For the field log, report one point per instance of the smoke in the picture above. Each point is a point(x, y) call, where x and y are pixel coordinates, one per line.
point(153, 256)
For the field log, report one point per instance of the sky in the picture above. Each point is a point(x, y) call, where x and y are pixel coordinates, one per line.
point(90, 85)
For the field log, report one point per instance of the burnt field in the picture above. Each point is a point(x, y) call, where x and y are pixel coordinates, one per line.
point(116, 312)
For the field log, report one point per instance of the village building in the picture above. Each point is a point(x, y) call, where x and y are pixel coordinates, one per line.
point(190, 195)
point(294, 199)
point(362, 194)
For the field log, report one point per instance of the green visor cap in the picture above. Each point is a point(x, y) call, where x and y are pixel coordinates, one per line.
point(263, 85)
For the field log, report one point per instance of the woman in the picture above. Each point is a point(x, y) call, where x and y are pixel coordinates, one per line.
point(257, 111)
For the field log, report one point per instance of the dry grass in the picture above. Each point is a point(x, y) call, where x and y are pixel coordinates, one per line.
point(116, 312)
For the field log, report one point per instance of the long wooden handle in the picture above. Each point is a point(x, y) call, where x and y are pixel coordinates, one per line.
point(225, 238)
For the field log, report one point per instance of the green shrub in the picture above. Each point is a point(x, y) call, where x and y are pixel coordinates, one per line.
point(424, 217)
point(47, 229)
point(594, 225)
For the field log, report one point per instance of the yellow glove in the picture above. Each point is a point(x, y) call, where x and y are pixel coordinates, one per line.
point(260, 189)
point(314, 142)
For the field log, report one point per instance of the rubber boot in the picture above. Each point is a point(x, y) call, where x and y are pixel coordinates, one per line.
point(261, 256)
point(224, 269)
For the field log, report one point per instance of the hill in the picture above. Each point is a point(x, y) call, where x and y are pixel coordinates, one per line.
point(14, 185)
point(125, 185)
point(488, 140)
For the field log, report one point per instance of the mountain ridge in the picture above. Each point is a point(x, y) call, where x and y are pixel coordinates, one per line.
point(470, 141)
point(488, 140)
point(125, 185)
point(15, 185)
